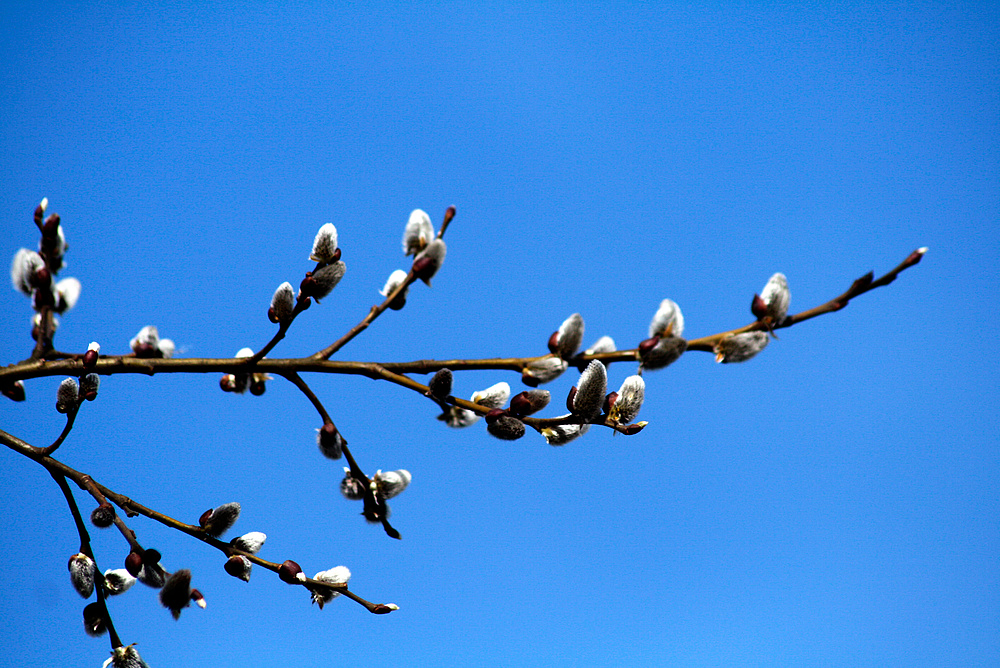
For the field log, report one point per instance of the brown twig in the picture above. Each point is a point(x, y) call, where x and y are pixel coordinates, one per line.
point(60, 470)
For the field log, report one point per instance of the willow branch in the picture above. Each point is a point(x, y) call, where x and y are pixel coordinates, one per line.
point(108, 365)
point(86, 549)
point(60, 470)
point(378, 310)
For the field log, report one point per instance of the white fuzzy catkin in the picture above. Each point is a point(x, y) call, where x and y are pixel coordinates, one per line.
point(494, 396)
point(564, 433)
point(570, 336)
point(325, 244)
point(337, 575)
point(740, 347)
point(590, 390)
point(668, 317)
point(630, 398)
point(776, 297)
point(418, 232)
point(283, 301)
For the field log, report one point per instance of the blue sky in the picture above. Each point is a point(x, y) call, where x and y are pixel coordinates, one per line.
point(831, 502)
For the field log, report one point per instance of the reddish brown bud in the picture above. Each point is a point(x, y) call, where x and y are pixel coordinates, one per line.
point(42, 279)
point(609, 402)
point(198, 599)
point(14, 391)
point(862, 283)
point(382, 608)
point(239, 567)
point(336, 255)
point(90, 359)
point(39, 212)
point(758, 307)
point(440, 385)
point(449, 213)
point(494, 415)
point(529, 401)
point(151, 558)
point(257, 388)
point(133, 563)
point(648, 345)
point(425, 266)
point(570, 398)
point(632, 429)
point(51, 225)
point(271, 315)
point(290, 572)
point(554, 342)
point(914, 257)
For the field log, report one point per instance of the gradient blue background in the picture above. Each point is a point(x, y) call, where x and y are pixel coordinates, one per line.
point(833, 502)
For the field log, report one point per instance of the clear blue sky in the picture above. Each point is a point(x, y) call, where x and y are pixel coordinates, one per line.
point(832, 502)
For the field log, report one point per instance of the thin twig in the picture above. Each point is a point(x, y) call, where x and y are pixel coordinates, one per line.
point(58, 469)
point(86, 549)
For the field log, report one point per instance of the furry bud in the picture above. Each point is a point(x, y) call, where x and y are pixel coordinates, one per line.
point(103, 516)
point(740, 347)
point(81, 574)
point(605, 344)
point(290, 572)
point(776, 298)
point(337, 576)
point(67, 396)
point(494, 396)
point(659, 352)
point(90, 357)
point(567, 339)
point(543, 370)
point(330, 442)
point(40, 210)
point(133, 563)
point(395, 278)
point(503, 426)
point(67, 294)
point(529, 402)
point(219, 520)
point(147, 344)
point(418, 232)
point(125, 657)
point(94, 623)
point(176, 592)
point(117, 581)
point(239, 567)
point(24, 269)
point(668, 320)
point(562, 434)
point(249, 542)
point(391, 483)
point(429, 260)
point(351, 487)
point(89, 385)
point(325, 245)
point(14, 391)
point(282, 303)
point(440, 385)
point(320, 283)
point(629, 400)
point(590, 391)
